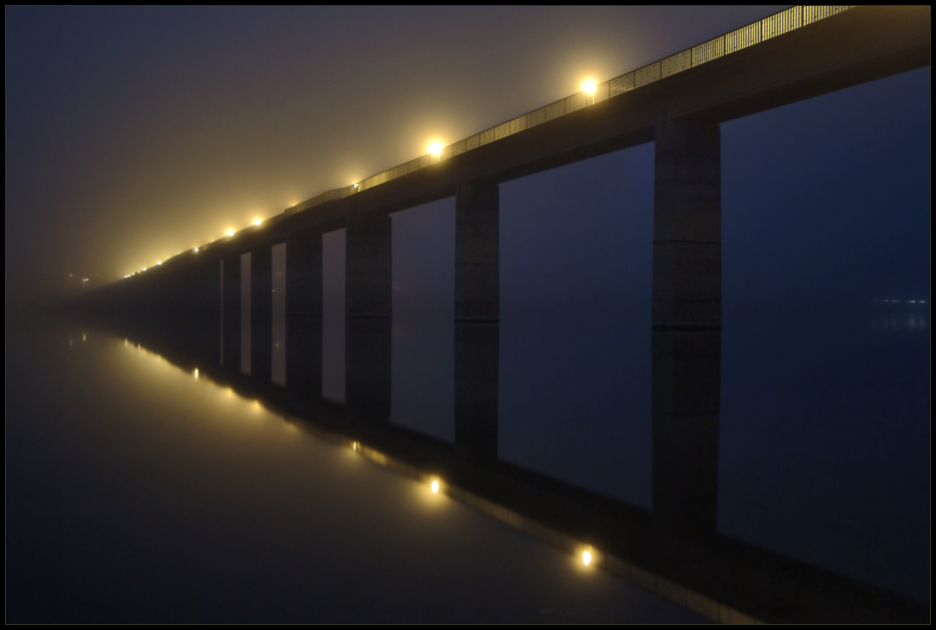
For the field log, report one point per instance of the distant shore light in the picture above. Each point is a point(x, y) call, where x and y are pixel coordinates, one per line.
point(435, 148)
point(435, 486)
point(586, 558)
point(230, 232)
point(589, 86)
point(258, 221)
point(196, 250)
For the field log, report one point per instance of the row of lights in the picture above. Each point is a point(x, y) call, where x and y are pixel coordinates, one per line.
point(434, 148)
point(229, 233)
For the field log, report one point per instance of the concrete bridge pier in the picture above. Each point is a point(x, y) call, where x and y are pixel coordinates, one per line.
point(207, 316)
point(368, 316)
point(304, 314)
point(686, 337)
point(477, 318)
point(261, 313)
point(231, 312)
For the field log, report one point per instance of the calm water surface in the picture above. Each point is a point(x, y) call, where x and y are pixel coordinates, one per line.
point(138, 492)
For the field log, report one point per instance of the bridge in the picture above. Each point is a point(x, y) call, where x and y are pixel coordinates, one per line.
point(223, 301)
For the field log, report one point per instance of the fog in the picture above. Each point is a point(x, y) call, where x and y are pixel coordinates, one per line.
point(136, 133)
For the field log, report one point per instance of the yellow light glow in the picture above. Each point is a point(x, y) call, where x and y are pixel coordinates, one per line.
point(435, 148)
point(159, 262)
point(196, 372)
point(258, 221)
point(196, 250)
point(144, 268)
point(230, 232)
point(435, 486)
point(354, 446)
point(589, 86)
point(586, 557)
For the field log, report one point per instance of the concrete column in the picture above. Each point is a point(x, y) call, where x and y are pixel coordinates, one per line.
point(207, 316)
point(368, 316)
point(261, 313)
point(686, 393)
point(278, 315)
point(477, 318)
point(218, 266)
point(687, 226)
point(231, 315)
point(304, 314)
point(686, 341)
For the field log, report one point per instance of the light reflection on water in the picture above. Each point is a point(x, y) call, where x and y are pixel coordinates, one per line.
point(918, 321)
point(136, 484)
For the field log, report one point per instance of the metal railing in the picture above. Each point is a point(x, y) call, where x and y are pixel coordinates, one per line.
point(739, 39)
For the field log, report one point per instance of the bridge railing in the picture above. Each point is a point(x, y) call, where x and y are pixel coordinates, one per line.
point(739, 39)
point(766, 28)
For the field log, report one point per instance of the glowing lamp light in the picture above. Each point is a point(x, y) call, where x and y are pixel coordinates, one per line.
point(435, 486)
point(196, 250)
point(230, 232)
point(589, 86)
point(355, 187)
point(258, 221)
point(435, 148)
point(586, 557)
point(159, 263)
point(196, 372)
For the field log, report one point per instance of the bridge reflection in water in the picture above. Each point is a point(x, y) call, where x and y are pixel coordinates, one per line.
point(673, 549)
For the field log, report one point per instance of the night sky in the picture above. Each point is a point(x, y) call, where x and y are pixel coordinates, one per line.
point(133, 134)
